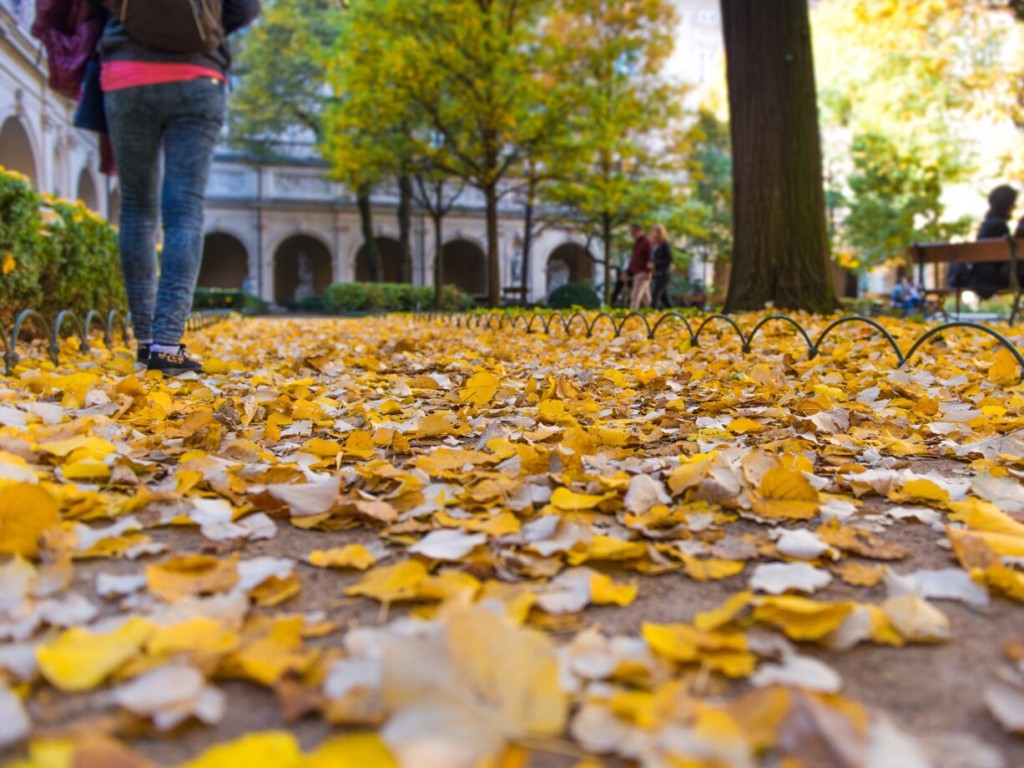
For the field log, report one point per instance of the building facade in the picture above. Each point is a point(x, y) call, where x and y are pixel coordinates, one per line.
point(280, 230)
point(36, 135)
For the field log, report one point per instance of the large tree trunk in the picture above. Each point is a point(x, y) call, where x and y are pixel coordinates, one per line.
point(404, 229)
point(366, 224)
point(493, 256)
point(780, 257)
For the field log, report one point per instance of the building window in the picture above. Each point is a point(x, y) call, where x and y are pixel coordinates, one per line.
point(707, 17)
point(706, 61)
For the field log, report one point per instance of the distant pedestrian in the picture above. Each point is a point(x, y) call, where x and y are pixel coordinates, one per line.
point(662, 260)
point(906, 296)
point(641, 267)
point(164, 75)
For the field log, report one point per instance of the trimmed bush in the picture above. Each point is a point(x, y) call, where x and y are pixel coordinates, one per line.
point(391, 297)
point(54, 254)
point(225, 298)
point(574, 295)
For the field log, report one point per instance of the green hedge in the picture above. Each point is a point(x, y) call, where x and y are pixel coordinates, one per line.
point(225, 298)
point(54, 254)
point(391, 297)
point(574, 295)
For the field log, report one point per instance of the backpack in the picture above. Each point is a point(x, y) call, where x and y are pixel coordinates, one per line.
point(174, 26)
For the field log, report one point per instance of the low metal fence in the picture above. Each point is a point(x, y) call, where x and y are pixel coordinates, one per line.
point(579, 323)
point(68, 322)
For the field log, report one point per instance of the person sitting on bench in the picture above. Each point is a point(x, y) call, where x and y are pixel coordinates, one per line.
point(985, 279)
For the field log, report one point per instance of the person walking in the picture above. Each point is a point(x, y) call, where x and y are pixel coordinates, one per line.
point(661, 257)
point(641, 266)
point(163, 75)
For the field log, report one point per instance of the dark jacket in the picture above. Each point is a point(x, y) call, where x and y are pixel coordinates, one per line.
point(985, 279)
point(662, 258)
point(117, 45)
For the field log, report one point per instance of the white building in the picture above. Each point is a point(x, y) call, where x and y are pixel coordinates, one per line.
point(36, 136)
point(267, 221)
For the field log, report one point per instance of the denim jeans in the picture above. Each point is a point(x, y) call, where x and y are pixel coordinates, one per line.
point(183, 119)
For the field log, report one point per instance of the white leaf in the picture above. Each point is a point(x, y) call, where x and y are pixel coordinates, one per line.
point(210, 511)
point(448, 544)
point(118, 585)
point(1005, 492)
point(800, 671)
point(14, 722)
point(252, 573)
point(645, 492)
point(943, 584)
point(917, 620)
point(777, 578)
point(569, 592)
point(801, 544)
point(889, 747)
point(1006, 703)
point(171, 694)
point(307, 498)
point(19, 659)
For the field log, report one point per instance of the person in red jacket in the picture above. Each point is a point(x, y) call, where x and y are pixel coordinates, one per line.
point(641, 267)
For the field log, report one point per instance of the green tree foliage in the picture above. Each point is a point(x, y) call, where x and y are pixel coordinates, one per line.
point(474, 71)
point(626, 146)
point(902, 106)
point(895, 199)
point(705, 220)
point(281, 91)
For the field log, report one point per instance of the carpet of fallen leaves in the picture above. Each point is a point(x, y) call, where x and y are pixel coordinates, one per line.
point(395, 542)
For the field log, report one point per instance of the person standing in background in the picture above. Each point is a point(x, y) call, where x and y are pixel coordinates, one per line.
point(662, 260)
point(163, 75)
point(641, 267)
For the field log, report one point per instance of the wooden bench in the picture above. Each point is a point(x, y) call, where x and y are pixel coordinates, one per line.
point(1000, 250)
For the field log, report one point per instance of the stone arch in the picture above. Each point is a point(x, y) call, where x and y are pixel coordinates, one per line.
point(225, 262)
point(390, 257)
point(569, 263)
point(87, 192)
point(464, 263)
point(17, 151)
point(289, 282)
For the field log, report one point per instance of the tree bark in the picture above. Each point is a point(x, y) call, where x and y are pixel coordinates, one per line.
point(606, 237)
point(437, 218)
point(404, 229)
point(527, 245)
point(493, 260)
point(780, 257)
point(366, 224)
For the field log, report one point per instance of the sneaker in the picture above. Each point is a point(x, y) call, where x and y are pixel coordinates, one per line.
point(172, 363)
point(142, 353)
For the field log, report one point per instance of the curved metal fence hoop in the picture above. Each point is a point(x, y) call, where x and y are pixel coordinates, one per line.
point(112, 317)
point(551, 319)
point(860, 319)
point(572, 319)
point(534, 318)
point(58, 323)
point(516, 318)
point(593, 324)
point(976, 326)
point(92, 317)
point(25, 314)
point(695, 340)
point(665, 317)
point(8, 363)
point(811, 349)
point(629, 317)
